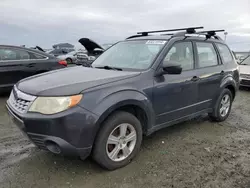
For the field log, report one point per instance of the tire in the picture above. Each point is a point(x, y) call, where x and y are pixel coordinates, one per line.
point(69, 60)
point(102, 151)
point(216, 115)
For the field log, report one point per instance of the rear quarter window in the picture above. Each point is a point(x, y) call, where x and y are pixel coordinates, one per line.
point(225, 53)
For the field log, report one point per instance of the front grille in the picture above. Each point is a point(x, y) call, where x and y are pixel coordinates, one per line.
point(246, 76)
point(20, 101)
point(37, 140)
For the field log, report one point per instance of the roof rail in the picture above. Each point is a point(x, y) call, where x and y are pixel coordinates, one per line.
point(168, 34)
point(135, 36)
point(188, 30)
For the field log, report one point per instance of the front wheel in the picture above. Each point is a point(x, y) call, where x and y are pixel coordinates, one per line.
point(223, 106)
point(118, 141)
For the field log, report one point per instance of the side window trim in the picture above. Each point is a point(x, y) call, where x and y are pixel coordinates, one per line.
point(219, 58)
point(197, 55)
point(176, 42)
point(196, 58)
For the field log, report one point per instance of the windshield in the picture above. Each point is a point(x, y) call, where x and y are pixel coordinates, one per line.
point(246, 61)
point(130, 54)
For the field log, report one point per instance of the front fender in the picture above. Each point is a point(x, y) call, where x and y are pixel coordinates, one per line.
point(104, 103)
point(122, 98)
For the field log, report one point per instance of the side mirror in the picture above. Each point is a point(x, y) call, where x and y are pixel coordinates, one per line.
point(172, 69)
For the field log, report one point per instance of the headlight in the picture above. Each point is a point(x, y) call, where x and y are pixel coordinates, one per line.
point(52, 105)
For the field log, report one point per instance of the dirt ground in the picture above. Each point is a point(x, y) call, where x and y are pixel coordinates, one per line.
point(197, 153)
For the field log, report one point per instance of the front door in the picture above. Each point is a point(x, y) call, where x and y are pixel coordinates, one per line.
point(175, 96)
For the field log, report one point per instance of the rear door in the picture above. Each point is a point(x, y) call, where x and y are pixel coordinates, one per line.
point(210, 72)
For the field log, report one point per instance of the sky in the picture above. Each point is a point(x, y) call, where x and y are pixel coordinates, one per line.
point(47, 22)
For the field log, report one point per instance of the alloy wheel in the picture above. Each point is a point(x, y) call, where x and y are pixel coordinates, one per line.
point(121, 142)
point(225, 105)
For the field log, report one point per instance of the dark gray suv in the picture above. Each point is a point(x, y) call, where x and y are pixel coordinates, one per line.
point(136, 87)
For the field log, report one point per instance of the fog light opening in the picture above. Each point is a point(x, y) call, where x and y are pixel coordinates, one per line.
point(53, 147)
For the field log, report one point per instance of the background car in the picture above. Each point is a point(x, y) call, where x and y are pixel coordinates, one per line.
point(61, 51)
point(245, 72)
point(93, 50)
point(69, 57)
point(17, 63)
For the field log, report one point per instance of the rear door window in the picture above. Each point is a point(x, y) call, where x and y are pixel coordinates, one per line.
point(207, 55)
point(225, 53)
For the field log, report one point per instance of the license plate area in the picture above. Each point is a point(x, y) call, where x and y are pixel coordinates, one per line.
point(18, 122)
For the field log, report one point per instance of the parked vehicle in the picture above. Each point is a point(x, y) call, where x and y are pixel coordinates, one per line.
point(69, 57)
point(136, 87)
point(93, 50)
point(245, 72)
point(17, 63)
point(57, 52)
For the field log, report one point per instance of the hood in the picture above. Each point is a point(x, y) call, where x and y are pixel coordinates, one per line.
point(39, 48)
point(89, 45)
point(70, 81)
point(244, 69)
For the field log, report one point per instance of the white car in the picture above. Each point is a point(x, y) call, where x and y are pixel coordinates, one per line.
point(69, 57)
point(245, 72)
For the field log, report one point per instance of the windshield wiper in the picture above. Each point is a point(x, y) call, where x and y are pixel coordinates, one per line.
point(109, 68)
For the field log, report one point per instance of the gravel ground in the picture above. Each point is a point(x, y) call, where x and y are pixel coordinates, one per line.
point(197, 153)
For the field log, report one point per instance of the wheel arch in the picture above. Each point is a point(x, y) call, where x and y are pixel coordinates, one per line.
point(129, 100)
point(229, 83)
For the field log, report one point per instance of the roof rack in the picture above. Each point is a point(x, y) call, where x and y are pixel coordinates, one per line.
point(184, 32)
point(135, 36)
point(167, 34)
point(145, 33)
point(211, 33)
point(188, 30)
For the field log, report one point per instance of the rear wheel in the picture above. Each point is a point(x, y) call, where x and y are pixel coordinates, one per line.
point(69, 61)
point(118, 140)
point(223, 106)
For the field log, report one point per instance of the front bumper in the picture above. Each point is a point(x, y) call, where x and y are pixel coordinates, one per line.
point(245, 82)
point(69, 133)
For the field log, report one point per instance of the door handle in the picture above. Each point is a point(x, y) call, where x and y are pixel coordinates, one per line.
point(195, 78)
point(222, 72)
point(31, 65)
